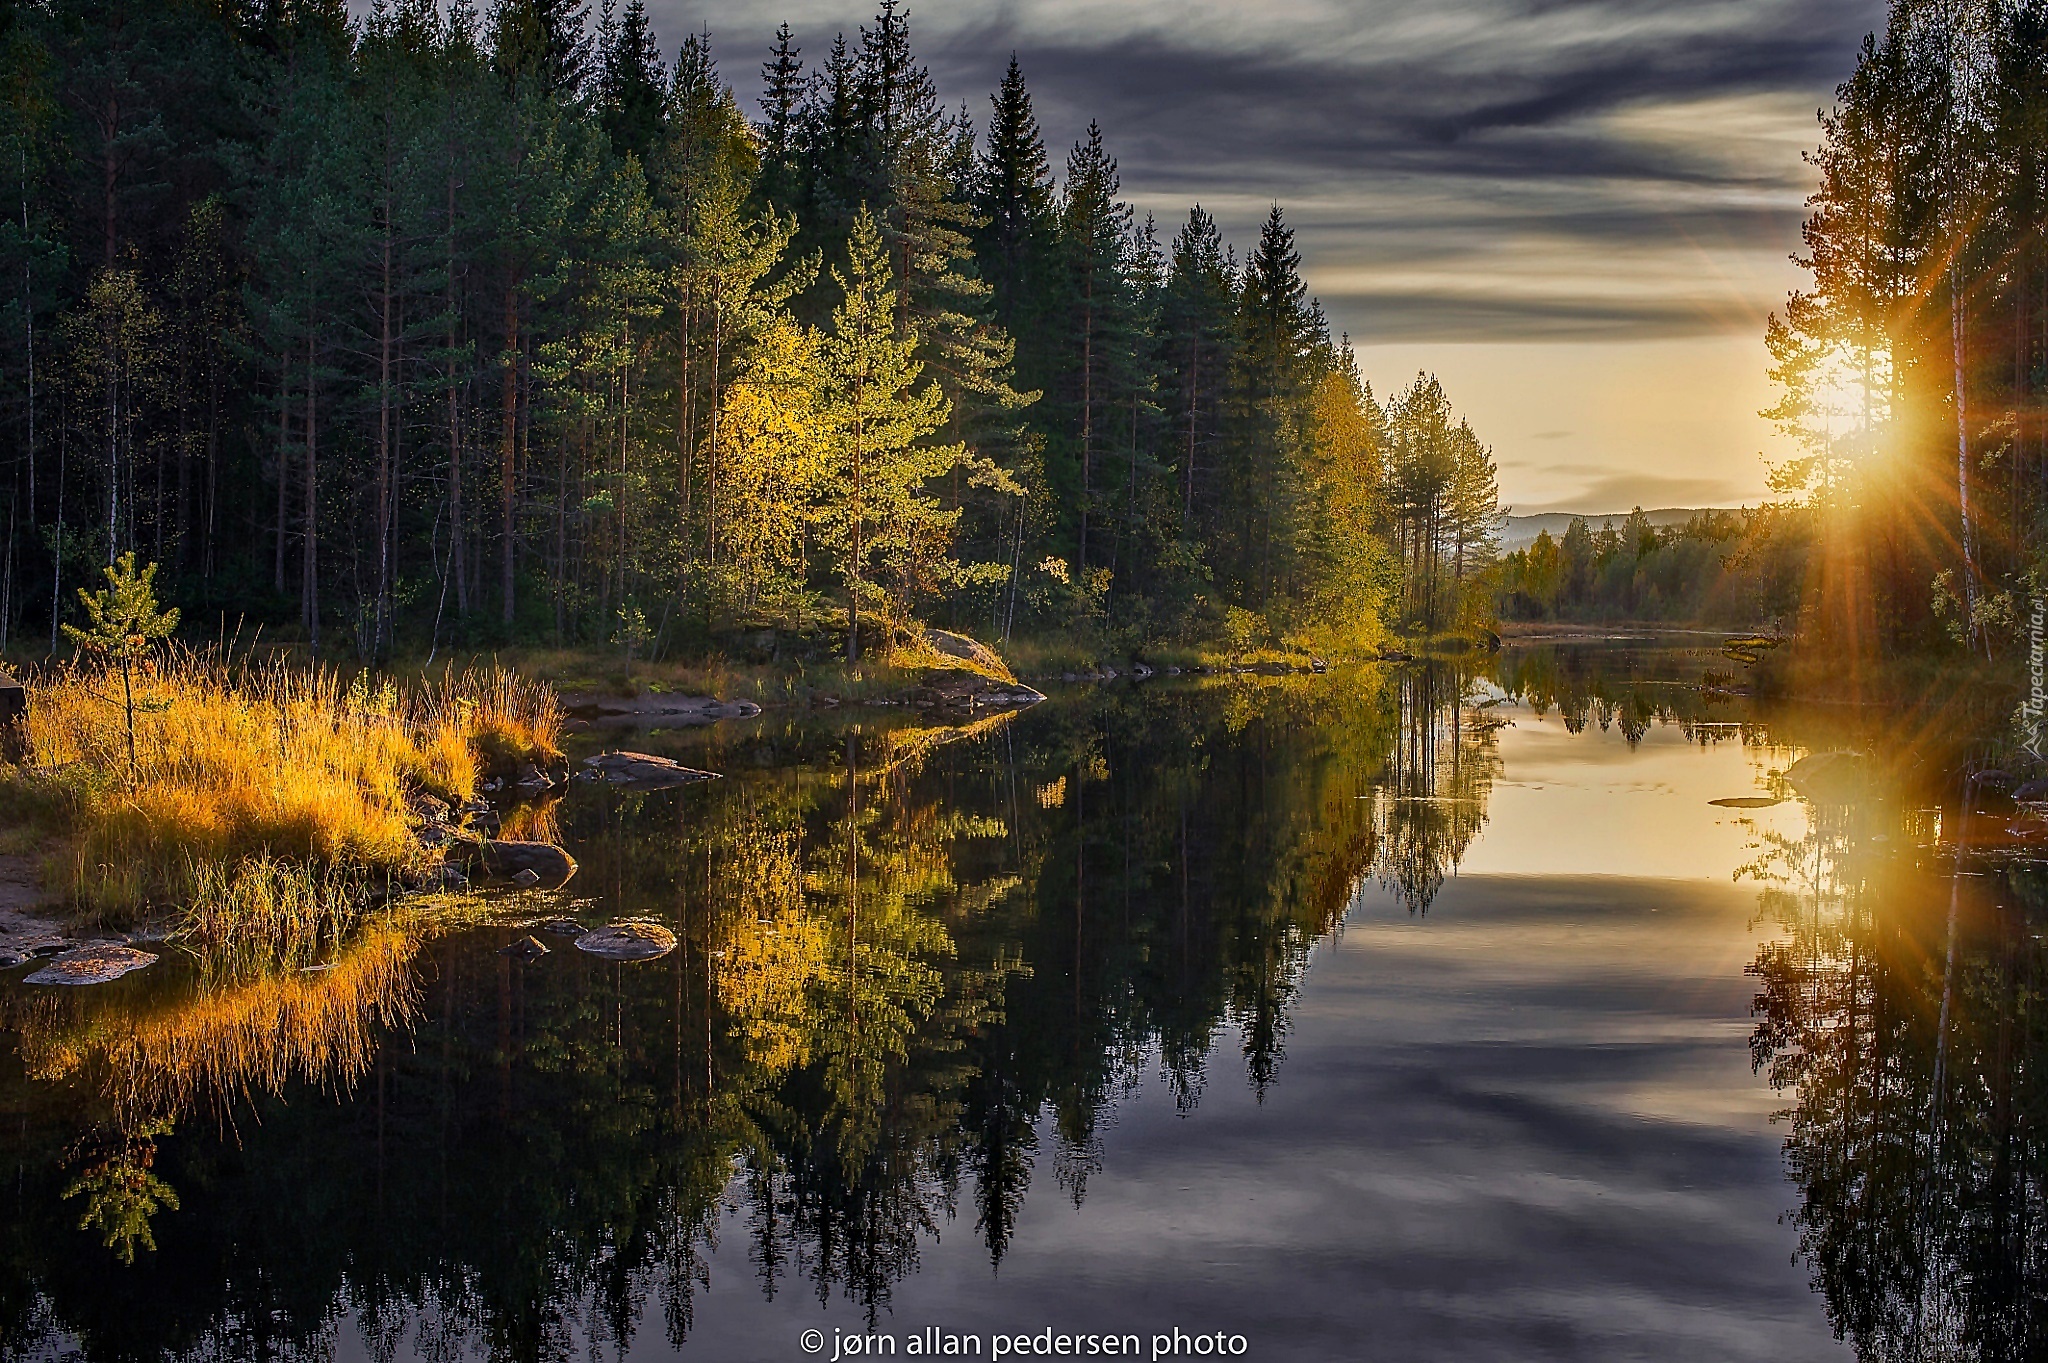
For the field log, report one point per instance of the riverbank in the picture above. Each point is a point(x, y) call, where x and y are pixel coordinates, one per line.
point(256, 798)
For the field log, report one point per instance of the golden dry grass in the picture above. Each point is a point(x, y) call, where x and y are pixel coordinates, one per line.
point(239, 773)
point(510, 720)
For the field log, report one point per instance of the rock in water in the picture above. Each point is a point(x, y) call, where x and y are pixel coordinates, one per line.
point(628, 942)
point(1746, 802)
point(550, 865)
point(562, 927)
point(1830, 778)
point(525, 949)
point(644, 771)
point(92, 964)
point(526, 878)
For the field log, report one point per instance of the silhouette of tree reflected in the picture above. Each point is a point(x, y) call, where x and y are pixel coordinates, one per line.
point(1902, 1012)
point(909, 956)
point(1432, 802)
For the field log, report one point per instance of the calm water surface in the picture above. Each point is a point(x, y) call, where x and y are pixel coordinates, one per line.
point(1403, 1015)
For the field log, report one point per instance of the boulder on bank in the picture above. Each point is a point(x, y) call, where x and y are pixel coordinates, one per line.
point(528, 948)
point(970, 651)
point(644, 771)
point(629, 941)
point(94, 963)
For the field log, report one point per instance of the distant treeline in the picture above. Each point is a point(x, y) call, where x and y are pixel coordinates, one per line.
point(1739, 569)
point(498, 327)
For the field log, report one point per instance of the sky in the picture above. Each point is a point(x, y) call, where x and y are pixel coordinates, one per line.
point(1576, 213)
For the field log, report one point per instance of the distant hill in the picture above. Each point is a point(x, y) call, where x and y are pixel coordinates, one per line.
point(1519, 532)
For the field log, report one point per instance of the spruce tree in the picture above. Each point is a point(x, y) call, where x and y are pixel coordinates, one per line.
point(1092, 230)
point(630, 80)
point(781, 129)
point(1014, 194)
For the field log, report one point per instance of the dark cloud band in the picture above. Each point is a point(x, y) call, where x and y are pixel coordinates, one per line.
point(1395, 129)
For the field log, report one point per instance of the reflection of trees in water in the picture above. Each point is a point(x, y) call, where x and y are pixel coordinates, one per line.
point(1903, 1009)
point(174, 1042)
point(902, 968)
point(1439, 773)
point(1624, 690)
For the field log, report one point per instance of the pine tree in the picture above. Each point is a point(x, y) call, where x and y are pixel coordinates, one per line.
point(882, 522)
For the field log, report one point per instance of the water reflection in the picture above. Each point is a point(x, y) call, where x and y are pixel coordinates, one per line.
point(1431, 803)
point(1901, 1014)
point(910, 984)
point(205, 1038)
point(918, 970)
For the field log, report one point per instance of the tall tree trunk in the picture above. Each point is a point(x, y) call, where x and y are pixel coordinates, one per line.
point(508, 448)
point(113, 450)
point(1194, 409)
point(854, 574)
point(683, 413)
point(1969, 535)
point(57, 554)
point(711, 473)
point(561, 539)
point(457, 533)
point(1087, 416)
point(309, 580)
point(383, 436)
point(28, 315)
point(181, 520)
point(284, 468)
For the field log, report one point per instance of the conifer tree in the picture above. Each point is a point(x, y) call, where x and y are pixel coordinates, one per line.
point(1092, 232)
point(781, 130)
point(1200, 342)
point(1014, 196)
point(890, 538)
point(630, 79)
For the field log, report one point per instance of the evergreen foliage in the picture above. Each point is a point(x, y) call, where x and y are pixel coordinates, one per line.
point(434, 325)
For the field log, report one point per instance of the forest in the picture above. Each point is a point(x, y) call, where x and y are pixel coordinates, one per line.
point(1912, 369)
point(479, 328)
point(1736, 569)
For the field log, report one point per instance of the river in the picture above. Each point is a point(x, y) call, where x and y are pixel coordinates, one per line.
point(1430, 1012)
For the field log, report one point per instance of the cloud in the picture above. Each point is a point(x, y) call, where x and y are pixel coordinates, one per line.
point(1475, 135)
point(1607, 490)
